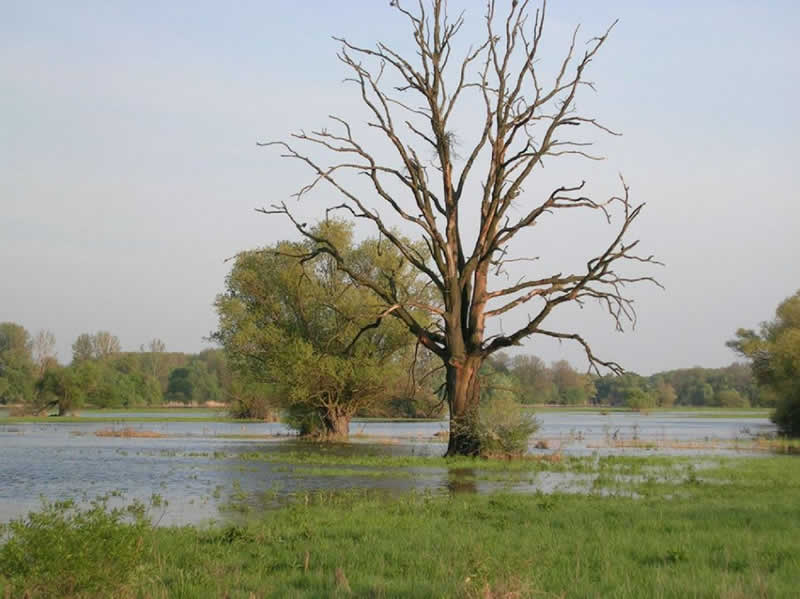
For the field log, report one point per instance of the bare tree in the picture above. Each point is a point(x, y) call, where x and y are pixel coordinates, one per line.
point(410, 101)
point(104, 344)
point(43, 349)
point(155, 358)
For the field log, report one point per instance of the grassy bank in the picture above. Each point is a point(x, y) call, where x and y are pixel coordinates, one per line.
point(652, 528)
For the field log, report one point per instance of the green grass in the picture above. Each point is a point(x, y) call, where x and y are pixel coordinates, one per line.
point(723, 528)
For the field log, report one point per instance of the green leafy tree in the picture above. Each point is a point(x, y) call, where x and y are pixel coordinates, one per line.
point(637, 398)
point(572, 387)
point(774, 352)
point(701, 394)
point(730, 398)
point(248, 399)
point(305, 327)
point(205, 386)
point(535, 380)
point(82, 348)
point(629, 389)
point(61, 388)
point(665, 395)
point(180, 387)
point(217, 363)
point(17, 369)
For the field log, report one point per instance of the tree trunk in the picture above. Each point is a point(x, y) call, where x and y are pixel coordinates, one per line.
point(337, 424)
point(463, 397)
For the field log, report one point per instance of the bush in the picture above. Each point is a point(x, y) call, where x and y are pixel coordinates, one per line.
point(639, 399)
point(730, 398)
point(64, 551)
point(304, 420)
point(254, 408)
point(252, 400)
point(504, 428)
point(787, 413)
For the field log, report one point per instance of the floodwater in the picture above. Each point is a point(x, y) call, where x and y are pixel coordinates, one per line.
point(200, 471)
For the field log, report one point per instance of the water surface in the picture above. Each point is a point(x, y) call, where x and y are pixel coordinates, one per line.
point(195, 467)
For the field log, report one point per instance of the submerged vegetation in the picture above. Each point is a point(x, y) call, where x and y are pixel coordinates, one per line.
point(647, 527)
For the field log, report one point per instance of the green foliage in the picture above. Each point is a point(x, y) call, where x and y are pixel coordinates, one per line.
point(306, 329)
point(82, 348)
point(60, 387)
point(639, 399)
point(64, 551)
point(497, 383)
point(253, 400)
point(17, 373)
point(14, 338)
point(504, 428)
point(702, 394)
point(730, 398)
point(665, 394)
point(629, 390)
point(527, 379)
point(775, 355)
point(217, 364)
point(573, 388)
point(113, 382)
point(689, 387)
point(180, 386)
point(535, 380)
point(787, 412)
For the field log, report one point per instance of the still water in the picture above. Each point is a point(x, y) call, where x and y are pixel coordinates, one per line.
point(195, 472)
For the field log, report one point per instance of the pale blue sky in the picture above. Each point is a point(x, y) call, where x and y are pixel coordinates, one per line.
point(129, 171)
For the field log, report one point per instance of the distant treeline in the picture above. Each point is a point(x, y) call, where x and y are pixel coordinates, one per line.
point(101, 375)
point(531, 381)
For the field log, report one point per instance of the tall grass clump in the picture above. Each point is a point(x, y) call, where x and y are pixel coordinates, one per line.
point(65, 551)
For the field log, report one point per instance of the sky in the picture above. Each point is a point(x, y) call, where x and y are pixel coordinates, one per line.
point(129, 170)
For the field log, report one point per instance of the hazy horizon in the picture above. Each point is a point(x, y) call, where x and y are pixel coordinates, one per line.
point(129, 170)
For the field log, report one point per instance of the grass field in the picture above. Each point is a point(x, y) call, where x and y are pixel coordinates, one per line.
point(652, 527)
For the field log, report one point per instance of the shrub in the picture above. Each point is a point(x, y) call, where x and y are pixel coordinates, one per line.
point(252, 407)
point(64, 551)
point(305, 420)
point(639, 399)
point(730, 398)
point(504, 428)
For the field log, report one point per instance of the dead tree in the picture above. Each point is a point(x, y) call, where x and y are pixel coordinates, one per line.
point(410, 101)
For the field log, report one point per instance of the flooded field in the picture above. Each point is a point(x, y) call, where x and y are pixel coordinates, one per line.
point(198, 471)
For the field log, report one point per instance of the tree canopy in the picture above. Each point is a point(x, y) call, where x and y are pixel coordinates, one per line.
point(16, 364)
point(775, 354)
point(297, 322)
